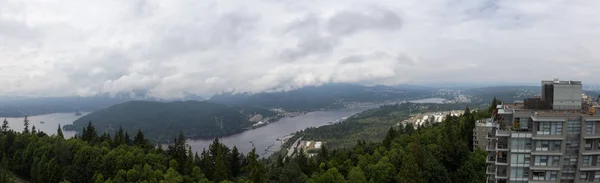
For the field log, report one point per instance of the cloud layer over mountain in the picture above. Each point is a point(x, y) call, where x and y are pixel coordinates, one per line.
point(178, 47)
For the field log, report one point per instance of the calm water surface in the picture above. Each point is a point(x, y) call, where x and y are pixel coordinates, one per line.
point(265, 138)
point(51, 122)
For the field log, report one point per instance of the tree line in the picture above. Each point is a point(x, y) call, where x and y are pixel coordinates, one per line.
point(431, 153)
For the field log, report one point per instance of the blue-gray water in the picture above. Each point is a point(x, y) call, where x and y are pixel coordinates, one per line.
point(266, 136)
point(51, 122)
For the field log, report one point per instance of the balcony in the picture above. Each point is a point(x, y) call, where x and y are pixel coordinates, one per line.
point(491, 179)
point(491, 159)
point(491, 169)
point(590, 152)
point(490, 147)
point(502, 146)
point(491, 135)
point(502, 160)
point(590, 168)
point(503, 133)
point(501, 172)
point(590, 136)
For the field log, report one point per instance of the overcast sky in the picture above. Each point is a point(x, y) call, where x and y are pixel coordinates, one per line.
point(168, 48)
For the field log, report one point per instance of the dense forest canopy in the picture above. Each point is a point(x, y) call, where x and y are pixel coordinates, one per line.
point(432, 153)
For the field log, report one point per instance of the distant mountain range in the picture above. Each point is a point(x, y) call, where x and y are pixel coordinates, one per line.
point(21, 106)
point(326, 96)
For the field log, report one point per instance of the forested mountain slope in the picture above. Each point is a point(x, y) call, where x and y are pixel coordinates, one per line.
point(438, 153)
point(163, 120)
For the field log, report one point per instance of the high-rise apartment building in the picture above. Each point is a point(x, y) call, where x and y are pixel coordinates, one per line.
point(552, 138)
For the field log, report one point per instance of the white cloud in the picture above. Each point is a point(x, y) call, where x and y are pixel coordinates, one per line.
point(172, 48)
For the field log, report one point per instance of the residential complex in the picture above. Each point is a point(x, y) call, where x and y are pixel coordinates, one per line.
point(551, 138)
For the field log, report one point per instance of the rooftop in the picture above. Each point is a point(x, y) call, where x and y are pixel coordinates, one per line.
point(556, 81)
point(515, 108)
point(489, 122)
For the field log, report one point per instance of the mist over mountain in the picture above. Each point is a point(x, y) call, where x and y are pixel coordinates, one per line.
point(322, 97)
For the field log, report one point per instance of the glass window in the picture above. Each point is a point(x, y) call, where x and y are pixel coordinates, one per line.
point(590, 127)
point(520, 159)
point(546, 161)
point(524, 123)
point(553, 175)
point(568, 176)
point(570, 160)
point(573, 127)
point(555, 160)
point(548, 145)
point(519, 172)
point(520, 145)
point(584, 176)
point(597, 176)
point(545, 175)
point(541, 160)
point(539, 175)
point(573, 145)
point(549, 128)
point(588, 145)
point(587, 161)
point(568, 173)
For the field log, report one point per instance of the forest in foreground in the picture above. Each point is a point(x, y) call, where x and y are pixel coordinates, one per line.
point(432, 153)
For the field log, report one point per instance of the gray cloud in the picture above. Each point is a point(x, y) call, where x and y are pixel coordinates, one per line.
point(348, 22)
point(171, 48)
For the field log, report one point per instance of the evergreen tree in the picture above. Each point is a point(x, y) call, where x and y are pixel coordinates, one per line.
point(220, 173)
point(105, 137)
point(178, 151)
point(468, 126)
point(59, 132)
point(26, 123)
point(409, 172)
point(256, 170)
point(473, 169)
point(140, 140)
point(33, 130)
point(391, 134)
point(99, 178)
point(5, 126)
point(356, 175)
point(495, 103)
point(409, 129)
point(235, 162)
point(119, 138)
point(90, 134)
point(127, 139)
point(206, 164)
point(323, 155)
point(400, 129)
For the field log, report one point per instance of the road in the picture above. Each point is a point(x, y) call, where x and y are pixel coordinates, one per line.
point(293, 147)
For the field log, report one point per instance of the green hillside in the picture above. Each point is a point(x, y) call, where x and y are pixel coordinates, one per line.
point(163, 121)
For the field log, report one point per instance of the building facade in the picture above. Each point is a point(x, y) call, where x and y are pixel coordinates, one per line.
point(531, 143)
point(481, 131)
